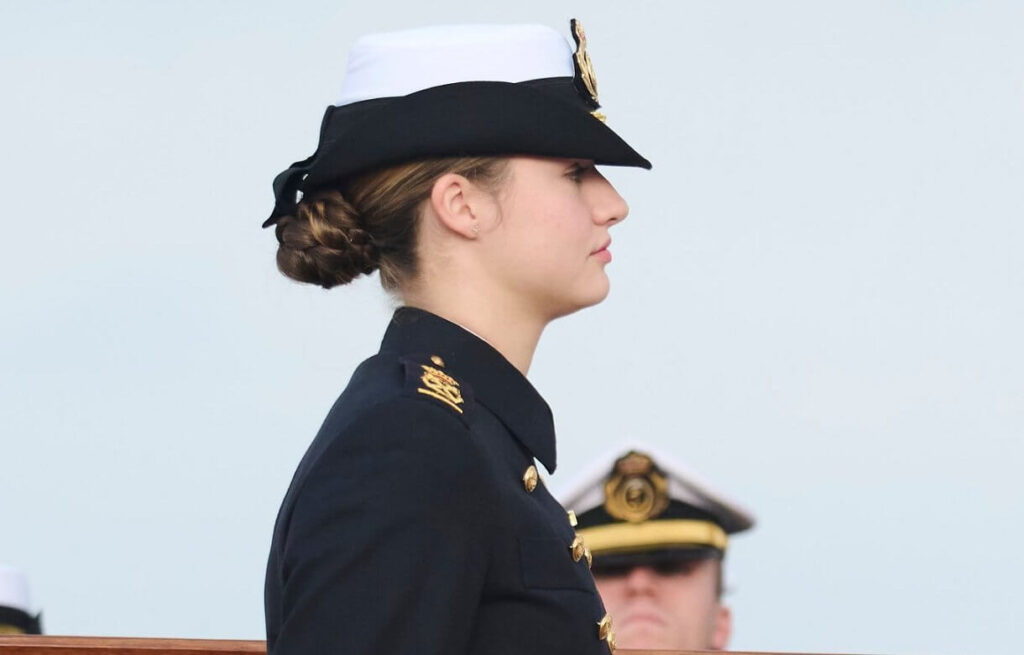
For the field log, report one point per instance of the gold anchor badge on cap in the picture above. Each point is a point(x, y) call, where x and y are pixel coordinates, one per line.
point(585, 78)
point(440, 385)
point(636, 491)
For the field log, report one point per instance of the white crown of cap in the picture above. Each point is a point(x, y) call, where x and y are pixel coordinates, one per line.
point(587, 492)
point(394, 64)
point(14, 589)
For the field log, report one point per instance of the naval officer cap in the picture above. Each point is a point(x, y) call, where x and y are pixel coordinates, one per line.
point(16, 615)
point(453, 91)
point(641, 508)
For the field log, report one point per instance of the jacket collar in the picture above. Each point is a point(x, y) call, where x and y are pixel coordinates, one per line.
point(496, 384)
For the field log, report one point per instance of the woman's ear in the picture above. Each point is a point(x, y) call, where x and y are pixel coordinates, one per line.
point(459, 204)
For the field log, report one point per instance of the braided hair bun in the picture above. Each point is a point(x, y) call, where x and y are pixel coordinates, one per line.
point(323, 242)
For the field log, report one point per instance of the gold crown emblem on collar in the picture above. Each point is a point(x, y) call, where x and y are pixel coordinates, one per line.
point(636, 490)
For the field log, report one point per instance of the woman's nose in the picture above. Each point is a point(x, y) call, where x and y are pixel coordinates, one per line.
point(609, 207)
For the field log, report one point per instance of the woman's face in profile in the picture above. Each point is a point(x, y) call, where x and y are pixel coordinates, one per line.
point(548, 243)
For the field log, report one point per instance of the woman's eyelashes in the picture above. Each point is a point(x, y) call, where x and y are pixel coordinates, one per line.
point(578, 171)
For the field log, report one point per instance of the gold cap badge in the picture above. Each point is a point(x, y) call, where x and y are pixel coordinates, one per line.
point(585, 79)
point(636, 490)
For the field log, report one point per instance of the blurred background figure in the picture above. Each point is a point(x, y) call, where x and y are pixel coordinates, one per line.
point(15, 609)
point(658, 537)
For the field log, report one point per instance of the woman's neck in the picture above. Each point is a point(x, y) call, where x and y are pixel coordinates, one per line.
point(508, 329)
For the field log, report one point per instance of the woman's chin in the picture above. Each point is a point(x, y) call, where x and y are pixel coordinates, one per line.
point(583, 300)
point(600, 291)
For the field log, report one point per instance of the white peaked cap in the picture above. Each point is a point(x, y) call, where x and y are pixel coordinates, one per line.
point(587, 491)
point(14, 589)
point(399, 63)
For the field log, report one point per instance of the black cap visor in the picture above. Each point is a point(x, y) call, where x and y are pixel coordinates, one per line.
point(610, 563)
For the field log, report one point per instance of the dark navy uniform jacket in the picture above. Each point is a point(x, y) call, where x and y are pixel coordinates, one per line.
point(411, 525)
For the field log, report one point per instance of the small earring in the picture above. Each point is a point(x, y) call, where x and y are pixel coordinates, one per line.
point(476, 229)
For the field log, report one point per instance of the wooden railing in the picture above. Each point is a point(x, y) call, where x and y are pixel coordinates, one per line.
point(36, 645)
point(46, 645)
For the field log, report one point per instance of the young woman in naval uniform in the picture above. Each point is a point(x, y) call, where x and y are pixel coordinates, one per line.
point(459, 163)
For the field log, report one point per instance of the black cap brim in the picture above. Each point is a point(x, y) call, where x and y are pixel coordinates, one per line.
point(542, 118)
point(654, 557)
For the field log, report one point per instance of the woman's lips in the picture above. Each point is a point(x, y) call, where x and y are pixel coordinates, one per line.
point(603, 253)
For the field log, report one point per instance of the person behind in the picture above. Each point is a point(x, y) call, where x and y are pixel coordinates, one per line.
point(658, 538)
point(16, 615)
point(460, 164)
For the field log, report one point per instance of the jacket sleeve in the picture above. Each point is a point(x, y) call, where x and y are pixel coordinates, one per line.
point(386, 547)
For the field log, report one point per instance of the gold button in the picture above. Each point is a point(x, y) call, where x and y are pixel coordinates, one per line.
point(577, 548)
point(572, 518)
point(589, 556)
point(437, 360)
point(611, 641)
point(530, 478)
point(604, 627)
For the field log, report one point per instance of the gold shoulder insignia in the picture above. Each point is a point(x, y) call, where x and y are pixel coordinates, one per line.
point(437, 384)
point(636, 490)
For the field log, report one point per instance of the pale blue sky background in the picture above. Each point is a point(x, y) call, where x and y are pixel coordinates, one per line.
point(817, 301)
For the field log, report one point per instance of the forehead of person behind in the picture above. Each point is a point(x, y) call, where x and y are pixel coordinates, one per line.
point(657, 537)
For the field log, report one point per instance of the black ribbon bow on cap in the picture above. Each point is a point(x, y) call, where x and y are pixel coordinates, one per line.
point(286, 189)
point(288, 182)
